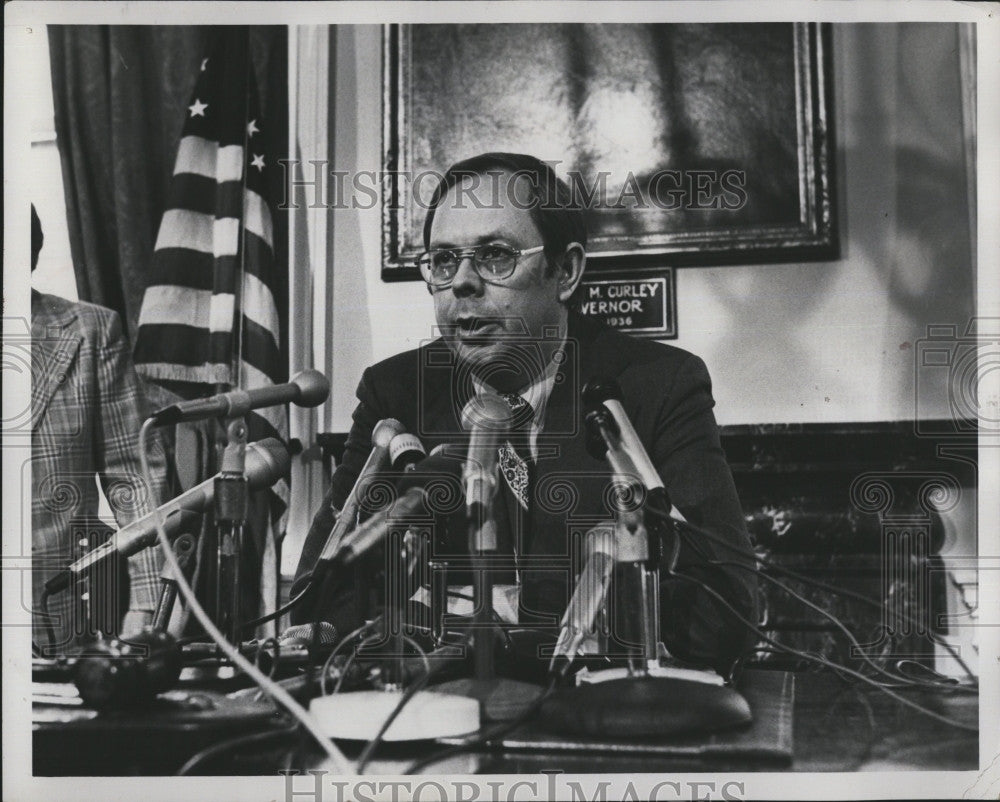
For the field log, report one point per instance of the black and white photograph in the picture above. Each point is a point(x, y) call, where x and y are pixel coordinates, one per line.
point(501, 401)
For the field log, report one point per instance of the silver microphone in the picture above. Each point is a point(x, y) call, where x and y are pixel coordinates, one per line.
point(266, 462)
point(375, 528)
point(310, 388)
point(607, 393)
point(588, 597)
point(382, 435)
point(488, 417)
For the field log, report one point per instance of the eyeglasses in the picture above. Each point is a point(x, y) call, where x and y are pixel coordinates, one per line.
point(491, 262)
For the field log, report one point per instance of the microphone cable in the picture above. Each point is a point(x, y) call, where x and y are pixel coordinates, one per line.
point(421, 682)
point(690, 528)
point(222, 747)
point(286, 607)
point(273, 689)
point(822, 660)
point(346, 640)
point(902, 681)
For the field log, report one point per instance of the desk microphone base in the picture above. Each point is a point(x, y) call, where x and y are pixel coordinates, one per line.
point(359, 715)
point(637, 707)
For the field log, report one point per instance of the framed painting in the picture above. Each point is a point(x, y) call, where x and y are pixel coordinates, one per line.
point(688, 144)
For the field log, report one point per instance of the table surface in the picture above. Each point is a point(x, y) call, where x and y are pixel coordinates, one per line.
point(836, 727)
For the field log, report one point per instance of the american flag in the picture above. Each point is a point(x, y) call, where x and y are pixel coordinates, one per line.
point(209, 314)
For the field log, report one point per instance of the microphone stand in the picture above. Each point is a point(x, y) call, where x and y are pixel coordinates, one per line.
point(183, 550)
point(635, 543)
point(653, 699)
point(230, 519)
point(482, 540)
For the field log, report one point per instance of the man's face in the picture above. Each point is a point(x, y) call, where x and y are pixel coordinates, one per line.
point(493, 322)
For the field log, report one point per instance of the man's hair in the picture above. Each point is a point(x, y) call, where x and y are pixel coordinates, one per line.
point(553, 207)
point(36, 237)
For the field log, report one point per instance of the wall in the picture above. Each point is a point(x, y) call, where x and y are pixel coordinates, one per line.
point(820, 341)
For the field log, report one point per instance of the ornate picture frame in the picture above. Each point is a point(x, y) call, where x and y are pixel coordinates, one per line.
point(697, 144)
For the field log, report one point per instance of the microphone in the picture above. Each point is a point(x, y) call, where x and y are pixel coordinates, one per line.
point(487, 416)
point(405, 451)
point(607, 393)
point(429, 489)
point(322, 632)
point(382, 435)
point(309, 388)
point(296, 646)
point(266, 462)
point(588, 597)
point(375, 528)
point(119, 674)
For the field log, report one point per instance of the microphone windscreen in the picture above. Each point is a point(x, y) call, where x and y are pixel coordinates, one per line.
point(267, 461)
point(322, 633)
point(313, 386)
point(486, 412)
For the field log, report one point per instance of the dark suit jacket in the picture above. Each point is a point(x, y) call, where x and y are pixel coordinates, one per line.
point(667, 395)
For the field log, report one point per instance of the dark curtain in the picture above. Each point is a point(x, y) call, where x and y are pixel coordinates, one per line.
point(121, 94)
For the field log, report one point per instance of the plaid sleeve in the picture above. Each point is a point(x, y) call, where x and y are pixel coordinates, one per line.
point(121, 410)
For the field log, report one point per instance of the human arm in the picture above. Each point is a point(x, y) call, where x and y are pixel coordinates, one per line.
point(119, 409)
point(334, 602)
point(689, 457)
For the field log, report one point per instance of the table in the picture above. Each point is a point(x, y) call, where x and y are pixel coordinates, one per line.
point(836, 727)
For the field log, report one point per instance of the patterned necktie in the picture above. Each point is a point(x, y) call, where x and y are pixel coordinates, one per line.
point(514, 465)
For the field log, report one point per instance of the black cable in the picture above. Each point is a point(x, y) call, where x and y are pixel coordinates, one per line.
point(900, 679)
point(408, 694)
point(822, 660)
point(485, 736)
point(692, 528)
point(243, 740)
point(256, 622)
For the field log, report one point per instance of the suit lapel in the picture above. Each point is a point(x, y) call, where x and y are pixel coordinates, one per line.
point(54, 346)
point(443, 394)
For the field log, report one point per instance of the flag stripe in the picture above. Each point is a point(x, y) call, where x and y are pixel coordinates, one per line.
point(194, 374)
point(161, 302)
point(180, 343)
point(258, 257)
point(194, 269)
point(183, 228)
point(201, 194)
point(257, 218)
point(205, 157)
point(223, 305)
point(261, 350)
point(258, 305)
point(187, 345)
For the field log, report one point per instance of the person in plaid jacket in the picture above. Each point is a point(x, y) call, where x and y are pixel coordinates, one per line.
point(87, 406)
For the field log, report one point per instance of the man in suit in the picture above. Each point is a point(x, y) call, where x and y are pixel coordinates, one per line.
point(505, 256)
point(87, 407)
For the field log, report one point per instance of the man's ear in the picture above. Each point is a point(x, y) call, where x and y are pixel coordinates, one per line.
point(570, 270)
